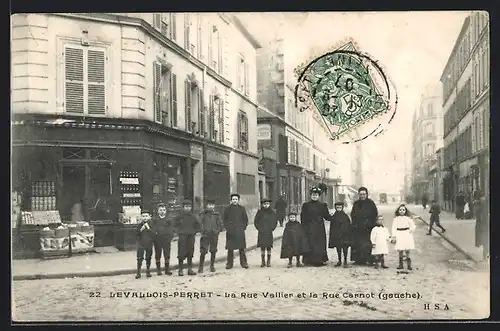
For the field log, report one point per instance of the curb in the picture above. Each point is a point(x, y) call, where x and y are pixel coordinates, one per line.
point(449, 241)
point(118, 272)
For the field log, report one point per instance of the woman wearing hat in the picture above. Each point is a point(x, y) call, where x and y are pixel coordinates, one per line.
point(313, 216)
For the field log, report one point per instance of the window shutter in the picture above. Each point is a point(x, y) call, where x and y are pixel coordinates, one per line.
point(187, 89)
point(211, 126)
point(173, 24)
point(74, 81)
point(239, 129)
point(199, 38)
point(156, 92)
point(219, 52)
point(96, 88)
point(221, 121)
point(157, 20)
point(187, 44)
point(247, 80)
point(210, 42)
point(173, 88)
point(202, 115)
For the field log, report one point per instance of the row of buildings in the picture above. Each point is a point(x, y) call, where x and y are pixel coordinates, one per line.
point(451, 129)
point(177, 100)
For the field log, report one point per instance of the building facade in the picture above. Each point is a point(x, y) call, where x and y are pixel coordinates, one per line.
point(427, 137)
point(169, 96)
point(465, 83)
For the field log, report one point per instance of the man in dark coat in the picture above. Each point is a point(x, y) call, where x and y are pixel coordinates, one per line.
point(364, 215)
point(313, 216)
point(187, 225)
point(265, 222)
point(424, 201)
point(164, 233)
point(459, 205)
point(235, 222)
point(280, 207)
point(294, 241)
point(211, 226)
point(340, 233)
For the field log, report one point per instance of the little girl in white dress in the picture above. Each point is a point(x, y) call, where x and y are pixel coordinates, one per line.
point(402, 233)
point(380, 242)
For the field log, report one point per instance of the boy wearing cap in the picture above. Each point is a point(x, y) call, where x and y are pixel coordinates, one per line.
point(164, 229)
point(235, 222)
point(340, 233)
point(145, 237)
point(211, 226)
point(186, 225)
point(265, 222)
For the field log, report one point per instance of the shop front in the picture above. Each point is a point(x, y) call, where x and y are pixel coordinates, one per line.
point(217, 178)
point(83, 186)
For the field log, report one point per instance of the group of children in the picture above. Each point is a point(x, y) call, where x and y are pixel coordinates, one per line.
point(158, 231)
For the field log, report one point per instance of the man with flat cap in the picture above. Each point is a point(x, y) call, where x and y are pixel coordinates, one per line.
point(312, 216)
point(187, 225)
point(235, 221)
point(265, 222)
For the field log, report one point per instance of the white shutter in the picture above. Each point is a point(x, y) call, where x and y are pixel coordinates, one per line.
point(173, 87)
point(210, 42)
point(247, 79)
point(74, 80)
point(221, 121)
point(96, 65)
point(173, 28)
point(220, 67)
point(157, 21)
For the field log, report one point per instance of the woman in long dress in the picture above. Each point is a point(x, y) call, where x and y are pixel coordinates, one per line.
point(313, 216)
point(364, 214)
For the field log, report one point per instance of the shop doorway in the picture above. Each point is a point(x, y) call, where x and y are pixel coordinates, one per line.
point(72, 192)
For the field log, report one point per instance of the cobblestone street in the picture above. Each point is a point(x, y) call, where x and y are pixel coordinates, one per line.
point(440, 277)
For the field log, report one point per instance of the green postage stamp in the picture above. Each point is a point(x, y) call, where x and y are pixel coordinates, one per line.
point(349, 90)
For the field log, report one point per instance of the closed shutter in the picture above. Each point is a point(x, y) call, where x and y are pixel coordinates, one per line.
point(156, 91)
point(157, 20)
point(221, 121)
point(173, 87)
point(211, 124)
point(202, 115)
point(240, 129)
point(187, 91)
point(173, 28)
point(95, 76)
point(74, 80)
point(210, 45)
point(247, 79)
point(219, 53)
point(199, 38)
point(186, 33)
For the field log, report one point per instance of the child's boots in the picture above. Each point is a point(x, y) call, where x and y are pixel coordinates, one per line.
point(212, 262)
point(190, 267)
point(263, 260)
point(408, 262)
point(158, 268)
point(268, 260)
point(400, 265)
point(139, 266)
point(148, 267)
point(202, 261)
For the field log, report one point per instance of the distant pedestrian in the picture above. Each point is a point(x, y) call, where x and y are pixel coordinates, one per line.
point(235, 222)
point(211, 226)
point(459, 205)
point(364, 214)
point(380, 239)
point(340, 233)
point(312, 216)
point(265, 222)
point(435, 210)
point(424, 201)
point(402, 235)
point(145, 237)
point(280, 207)
point(294, 241)
point(164, 233)
point(187, 225)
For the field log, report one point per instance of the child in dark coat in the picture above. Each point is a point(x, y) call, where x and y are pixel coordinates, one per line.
point(211, 226)
point(265, 222)
point(294, 241)
point(164, 228)
point(187, 225)
point(435, 210)
point(340, 233)
point(145, 237)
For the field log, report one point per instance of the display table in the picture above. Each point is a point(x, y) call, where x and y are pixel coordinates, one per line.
point(126, 236)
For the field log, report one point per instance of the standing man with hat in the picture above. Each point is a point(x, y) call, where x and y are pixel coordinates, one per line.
point(313, 216)
point(265, 222)
point(235, 222)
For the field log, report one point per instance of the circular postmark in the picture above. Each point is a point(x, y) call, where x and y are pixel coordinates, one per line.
point(350, 92)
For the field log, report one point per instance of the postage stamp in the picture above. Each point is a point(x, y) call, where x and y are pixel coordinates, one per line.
point(349, 90)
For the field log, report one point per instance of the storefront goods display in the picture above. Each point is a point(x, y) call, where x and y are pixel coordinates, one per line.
point(57, 241)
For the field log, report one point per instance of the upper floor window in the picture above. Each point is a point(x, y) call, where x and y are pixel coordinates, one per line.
point(165, 95)
point(167, 24)
point(214, 49)
point(194, 107)
point(84, 80)
point(242, 131)
point(430, 109)
point(243, 78)
point(189, 42)
point(216, 119)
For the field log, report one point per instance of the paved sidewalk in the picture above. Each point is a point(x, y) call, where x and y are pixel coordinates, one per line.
point(459, 233)
point(116, 263)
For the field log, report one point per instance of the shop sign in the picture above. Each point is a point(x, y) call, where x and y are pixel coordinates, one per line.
point(264, 132)
point(217, 157)
point(196, 151)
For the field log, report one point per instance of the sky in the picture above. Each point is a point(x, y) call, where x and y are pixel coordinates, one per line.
point(411, 47)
